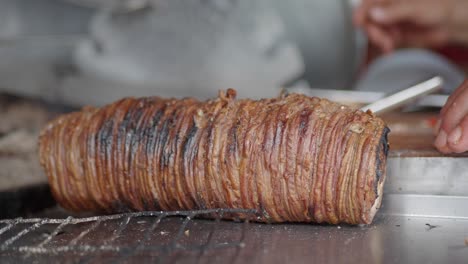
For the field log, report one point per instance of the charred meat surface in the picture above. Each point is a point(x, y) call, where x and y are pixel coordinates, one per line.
point(292, 158)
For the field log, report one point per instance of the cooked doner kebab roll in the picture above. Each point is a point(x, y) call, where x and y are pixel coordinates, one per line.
point(293, 158)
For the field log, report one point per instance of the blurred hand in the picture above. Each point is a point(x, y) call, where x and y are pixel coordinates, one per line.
point(390, 24)
point(452, 135)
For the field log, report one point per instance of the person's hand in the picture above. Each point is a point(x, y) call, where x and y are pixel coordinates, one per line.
point(390, 24)
point(452, 136)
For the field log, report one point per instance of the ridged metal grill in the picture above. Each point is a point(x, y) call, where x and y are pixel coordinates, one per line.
point(154, 234)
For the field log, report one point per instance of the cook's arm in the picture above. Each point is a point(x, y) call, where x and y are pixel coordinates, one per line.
point(422, 23)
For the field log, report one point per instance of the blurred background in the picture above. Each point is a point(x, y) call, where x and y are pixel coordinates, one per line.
point(94, 52)
point(79, 52)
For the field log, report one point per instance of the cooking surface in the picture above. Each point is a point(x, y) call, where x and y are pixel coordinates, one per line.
point(390, 239)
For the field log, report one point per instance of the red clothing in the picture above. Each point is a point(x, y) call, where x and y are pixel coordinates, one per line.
point(456, 54)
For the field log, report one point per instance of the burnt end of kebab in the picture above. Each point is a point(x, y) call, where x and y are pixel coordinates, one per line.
point(292, 158)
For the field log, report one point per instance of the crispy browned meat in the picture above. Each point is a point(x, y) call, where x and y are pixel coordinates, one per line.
point(292, 158)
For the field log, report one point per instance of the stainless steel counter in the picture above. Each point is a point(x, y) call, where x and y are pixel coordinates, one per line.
point(394, 237)
point(391, 239)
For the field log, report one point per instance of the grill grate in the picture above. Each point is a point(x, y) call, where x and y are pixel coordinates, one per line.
point(17, 236)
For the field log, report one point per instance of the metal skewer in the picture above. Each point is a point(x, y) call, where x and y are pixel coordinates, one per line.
point(405, 96)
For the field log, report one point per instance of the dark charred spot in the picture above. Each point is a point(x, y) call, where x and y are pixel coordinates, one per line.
point(126, 122)
point(128, 125)
point(311, 210)
point(157, 117)
point(233, 137)
point(163, 136)
point(119, 206)
point(209, 131)
point(133, 134)
point(201, 202)
point(152, 131)
point(162, 139)
point(381, 156)
point(384, 140)
point(144, 203)
point(156, 205)
point(303, 124)
point(105, 136)
point(188, 140)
